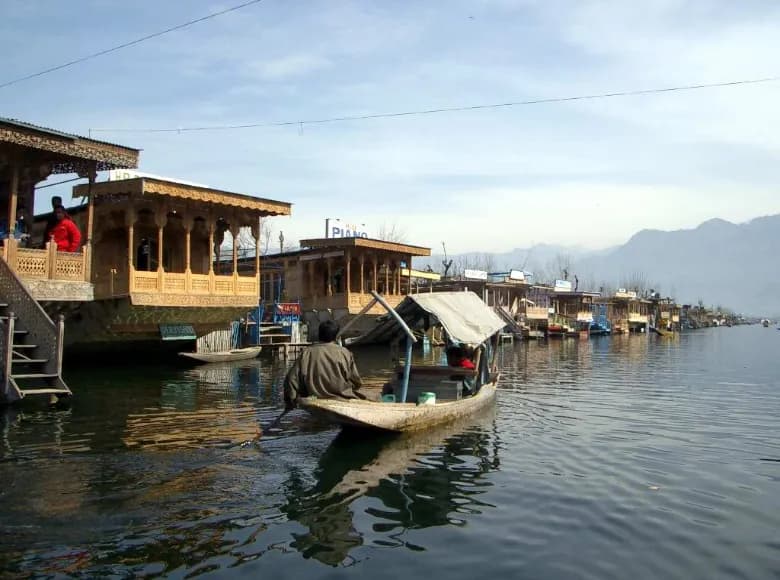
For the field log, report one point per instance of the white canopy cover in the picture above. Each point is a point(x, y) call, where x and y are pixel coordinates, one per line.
point(465, 317)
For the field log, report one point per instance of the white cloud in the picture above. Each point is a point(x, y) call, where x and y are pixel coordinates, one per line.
point(286, 67)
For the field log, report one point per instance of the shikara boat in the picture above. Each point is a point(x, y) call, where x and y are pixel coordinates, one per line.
point(224, 355)
point(458, 392)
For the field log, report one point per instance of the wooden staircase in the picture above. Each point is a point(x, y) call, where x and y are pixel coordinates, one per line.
point(512, 325)
point(30, 344)
point(272, 334)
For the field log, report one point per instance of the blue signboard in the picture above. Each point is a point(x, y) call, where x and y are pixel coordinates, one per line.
point(177, 332)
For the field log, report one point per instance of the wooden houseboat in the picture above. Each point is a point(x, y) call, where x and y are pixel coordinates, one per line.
point(148, 266)
point(572, 310)
point(31, 343)
point(665, 314)
point(627, 312)
point(535, 311)
point(156, 269)
point(334, 277)
point(505, 292)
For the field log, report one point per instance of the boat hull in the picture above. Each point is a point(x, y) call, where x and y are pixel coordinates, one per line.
point(224, 356)
point(398, 417)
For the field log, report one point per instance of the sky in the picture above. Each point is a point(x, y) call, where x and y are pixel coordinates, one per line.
point(584, 173)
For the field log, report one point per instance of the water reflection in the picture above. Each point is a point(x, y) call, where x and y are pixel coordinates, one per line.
point(425, 479)
point(635, 456)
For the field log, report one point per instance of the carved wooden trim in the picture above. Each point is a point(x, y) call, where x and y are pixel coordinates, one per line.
point(146, 185)
point(70, 150)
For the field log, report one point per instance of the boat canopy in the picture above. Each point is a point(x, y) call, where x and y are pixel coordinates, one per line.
point(465, 317)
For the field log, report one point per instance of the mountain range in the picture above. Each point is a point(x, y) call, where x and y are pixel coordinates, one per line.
point(718, 262)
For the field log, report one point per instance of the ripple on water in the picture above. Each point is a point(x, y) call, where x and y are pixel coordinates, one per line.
point(608, 458)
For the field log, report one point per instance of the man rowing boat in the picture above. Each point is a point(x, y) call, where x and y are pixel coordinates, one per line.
point(324, 370)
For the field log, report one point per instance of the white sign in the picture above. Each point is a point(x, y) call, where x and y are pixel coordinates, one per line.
point(122, 174)
point(335, 228)
point(563, 285)
point(518, 275)
point(623, 293)
point(475, 274)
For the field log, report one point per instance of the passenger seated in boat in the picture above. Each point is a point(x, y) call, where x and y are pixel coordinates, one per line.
point(456, 357)
point(325, 370)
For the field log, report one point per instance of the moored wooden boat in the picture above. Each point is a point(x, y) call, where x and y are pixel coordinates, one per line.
point(235, 354)
point(399, 416)
point(438, 394)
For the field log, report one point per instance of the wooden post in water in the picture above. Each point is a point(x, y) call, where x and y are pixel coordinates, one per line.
point(407, 369)
point(9, 342)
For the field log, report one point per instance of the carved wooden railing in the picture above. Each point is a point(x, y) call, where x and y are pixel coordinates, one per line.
point(186, 283)
point(636, 317)
point(356, 302)
point(563, 321)
point(584, 316)
point(47, 264)
point(537, 312)
point(112, 283)
point(40, 328)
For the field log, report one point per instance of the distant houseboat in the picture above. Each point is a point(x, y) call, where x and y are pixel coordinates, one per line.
point(334, 277)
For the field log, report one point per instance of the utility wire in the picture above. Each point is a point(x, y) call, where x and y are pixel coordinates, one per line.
point(440, 110)
point(57, 183)
point(127, 44)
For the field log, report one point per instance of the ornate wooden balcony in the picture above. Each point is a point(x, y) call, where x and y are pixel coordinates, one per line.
point(49, 274)
point(159, 288)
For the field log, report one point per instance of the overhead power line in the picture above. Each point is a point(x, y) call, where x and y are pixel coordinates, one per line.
point(127, 44)
point(303, 122)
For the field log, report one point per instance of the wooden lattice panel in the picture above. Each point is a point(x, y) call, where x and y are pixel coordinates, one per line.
point(175, 285)
point(69, 267)
point(223, 286)
point(143, 283)
point(247, 287)
point(200, 285)
point(32, 264)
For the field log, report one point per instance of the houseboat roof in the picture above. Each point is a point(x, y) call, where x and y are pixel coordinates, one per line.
point(66, 150)
point(370, 243)
point(627, 298)
point(163, 187)
point(579, 294)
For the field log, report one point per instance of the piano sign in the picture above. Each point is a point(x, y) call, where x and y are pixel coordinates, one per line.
point(335, 228)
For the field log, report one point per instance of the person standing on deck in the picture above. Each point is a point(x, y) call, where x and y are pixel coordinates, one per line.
point(51, 221)
point(65, 234)
point(325, 370)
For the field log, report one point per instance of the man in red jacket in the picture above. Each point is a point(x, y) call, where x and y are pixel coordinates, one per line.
point(65, 233)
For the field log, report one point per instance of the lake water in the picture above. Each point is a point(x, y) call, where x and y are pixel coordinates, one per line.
point(624, 457)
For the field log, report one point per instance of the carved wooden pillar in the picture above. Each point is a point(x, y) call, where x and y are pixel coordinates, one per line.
point(256, 229)
point(91, 175)
point(13, 194)
point(312, 286)
point(330, 278)
point(188, 225)
point(387, 276)
point(130, 221)
point(161, 220)
point(234, 233)
point(211, 247)
point(374, 261)
point(398, 278)
point(362, 273)
point(348, 274)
